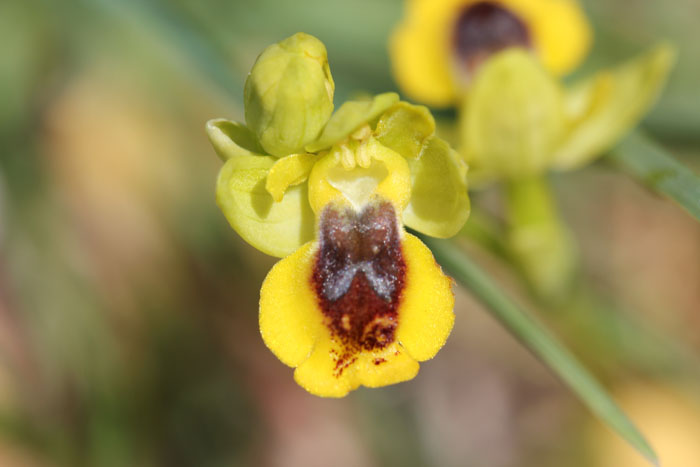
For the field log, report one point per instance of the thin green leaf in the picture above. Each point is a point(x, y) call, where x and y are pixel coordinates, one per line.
point(540, 342)
point(649, 163)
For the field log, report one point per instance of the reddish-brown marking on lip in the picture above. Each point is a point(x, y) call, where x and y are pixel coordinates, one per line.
point(485, 28)
point(358, 276)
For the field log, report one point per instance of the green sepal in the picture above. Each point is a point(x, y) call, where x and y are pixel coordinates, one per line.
point(405, 128)
point(604, 107)
point(276, 229)
point(350, 117)
point(231, 139)
point(511, 117)
point(439, 204)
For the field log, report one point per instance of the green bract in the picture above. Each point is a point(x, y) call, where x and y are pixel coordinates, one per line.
point(289, 94)
point(263, 188)
point(518, 121)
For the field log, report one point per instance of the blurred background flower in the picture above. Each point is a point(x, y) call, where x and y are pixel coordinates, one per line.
point(438, 46)
point(128, 307)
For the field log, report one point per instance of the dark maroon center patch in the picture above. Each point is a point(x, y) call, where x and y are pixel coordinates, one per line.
point(358, 277)
point(485, 28)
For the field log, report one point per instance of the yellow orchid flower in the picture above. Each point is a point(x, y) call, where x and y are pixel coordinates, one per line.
point(356, 299)
point(517, 122)
point(498, 63)
point(437, 47)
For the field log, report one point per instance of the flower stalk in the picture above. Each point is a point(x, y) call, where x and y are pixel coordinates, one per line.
point(539, 242)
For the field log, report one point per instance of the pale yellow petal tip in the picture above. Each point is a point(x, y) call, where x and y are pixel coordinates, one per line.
point(388, 366)
point(318, 374)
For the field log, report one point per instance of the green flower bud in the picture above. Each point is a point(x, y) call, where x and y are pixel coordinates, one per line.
point(289, 94)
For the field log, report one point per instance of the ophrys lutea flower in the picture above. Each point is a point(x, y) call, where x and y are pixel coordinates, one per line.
point(356, 300)
point(499, 63)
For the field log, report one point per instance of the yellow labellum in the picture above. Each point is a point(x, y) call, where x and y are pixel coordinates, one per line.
point(292, 324)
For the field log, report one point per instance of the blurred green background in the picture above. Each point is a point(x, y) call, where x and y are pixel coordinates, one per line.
point(128, 307)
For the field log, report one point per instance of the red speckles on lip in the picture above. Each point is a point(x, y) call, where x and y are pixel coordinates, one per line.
point(358, 276)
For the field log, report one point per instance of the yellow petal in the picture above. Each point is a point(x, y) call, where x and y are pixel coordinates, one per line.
point(560, 30)
point(290, 321)
point(277, 229)
point(421, 54)
point(287, 171)
point(425, 313)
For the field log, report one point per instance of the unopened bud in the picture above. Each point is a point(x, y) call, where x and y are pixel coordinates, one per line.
point(289, 94)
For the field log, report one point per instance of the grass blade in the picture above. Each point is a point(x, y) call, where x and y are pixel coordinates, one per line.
point(649, 163)
point(543, 344)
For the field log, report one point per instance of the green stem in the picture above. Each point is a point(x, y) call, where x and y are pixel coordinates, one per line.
point(530, 201)
point(485, 231)
point(539, 243)
point(540, 342)
point(648, 162)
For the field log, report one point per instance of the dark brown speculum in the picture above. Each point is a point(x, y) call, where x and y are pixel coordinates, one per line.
point(358, 277)
point(483, 29)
